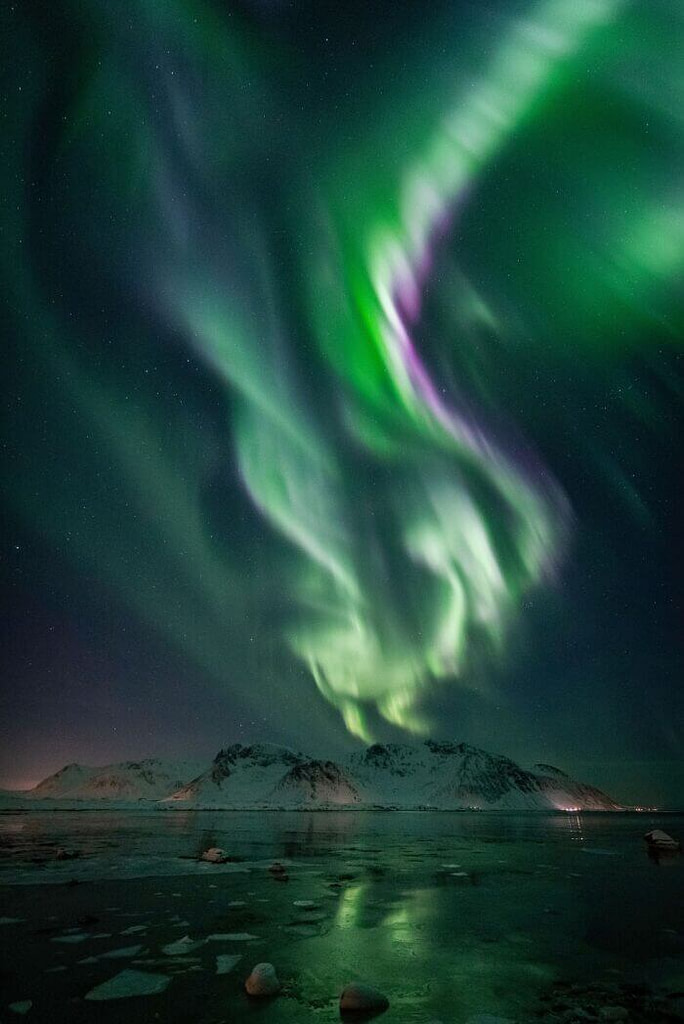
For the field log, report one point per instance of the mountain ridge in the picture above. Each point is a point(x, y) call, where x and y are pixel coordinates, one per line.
point(434, 774)
point(148, 779)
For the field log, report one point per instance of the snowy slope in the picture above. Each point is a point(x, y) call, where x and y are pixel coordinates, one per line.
point(317, 784)
point(239, 776)
point(64, 782)
point(456, 775)
point(266, 775)
point(127, 782)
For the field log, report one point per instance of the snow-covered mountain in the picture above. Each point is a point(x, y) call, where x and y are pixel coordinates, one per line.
point(440, 775)
point(432, 774)
point(127, 782)
point(266, 775)
point(447, 775)
point(240, 776)
point(312, 783)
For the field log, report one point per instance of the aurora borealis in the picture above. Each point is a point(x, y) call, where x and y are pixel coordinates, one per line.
point(344, 369)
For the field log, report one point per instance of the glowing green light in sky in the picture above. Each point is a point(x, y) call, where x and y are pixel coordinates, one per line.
point(351, 293)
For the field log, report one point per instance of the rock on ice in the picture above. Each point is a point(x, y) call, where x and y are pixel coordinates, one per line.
point(263, 981)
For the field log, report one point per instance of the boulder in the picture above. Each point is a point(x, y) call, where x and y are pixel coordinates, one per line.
point(358, 998)
point(214, 855)
point(263, 981)
point(277, 868)
point(660, 840)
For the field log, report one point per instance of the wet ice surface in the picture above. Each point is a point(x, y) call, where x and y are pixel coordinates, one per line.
point(127, 984)
point(452, 916)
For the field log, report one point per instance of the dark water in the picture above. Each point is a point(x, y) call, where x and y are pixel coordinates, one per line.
point(451, 915)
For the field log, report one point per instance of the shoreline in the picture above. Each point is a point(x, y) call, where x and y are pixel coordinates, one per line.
point(342, 808)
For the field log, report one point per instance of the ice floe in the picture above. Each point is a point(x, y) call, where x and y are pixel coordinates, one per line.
point(182, 946)
point(129, 983)
point(123, 953)
point(225, 962)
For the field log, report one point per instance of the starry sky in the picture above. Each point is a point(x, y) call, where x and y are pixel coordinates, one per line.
point(343, 380)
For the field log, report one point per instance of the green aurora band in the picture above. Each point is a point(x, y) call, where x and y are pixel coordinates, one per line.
point(358, 372)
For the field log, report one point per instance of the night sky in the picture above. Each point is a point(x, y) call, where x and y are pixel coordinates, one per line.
point(342, 380)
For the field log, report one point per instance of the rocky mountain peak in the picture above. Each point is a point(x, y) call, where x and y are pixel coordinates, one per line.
point(549, 769)
point(259, 753)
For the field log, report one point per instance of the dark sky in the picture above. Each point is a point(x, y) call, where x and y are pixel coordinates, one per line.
point(343, 382)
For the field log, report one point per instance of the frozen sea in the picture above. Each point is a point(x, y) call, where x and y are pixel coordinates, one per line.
point(454, 916)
